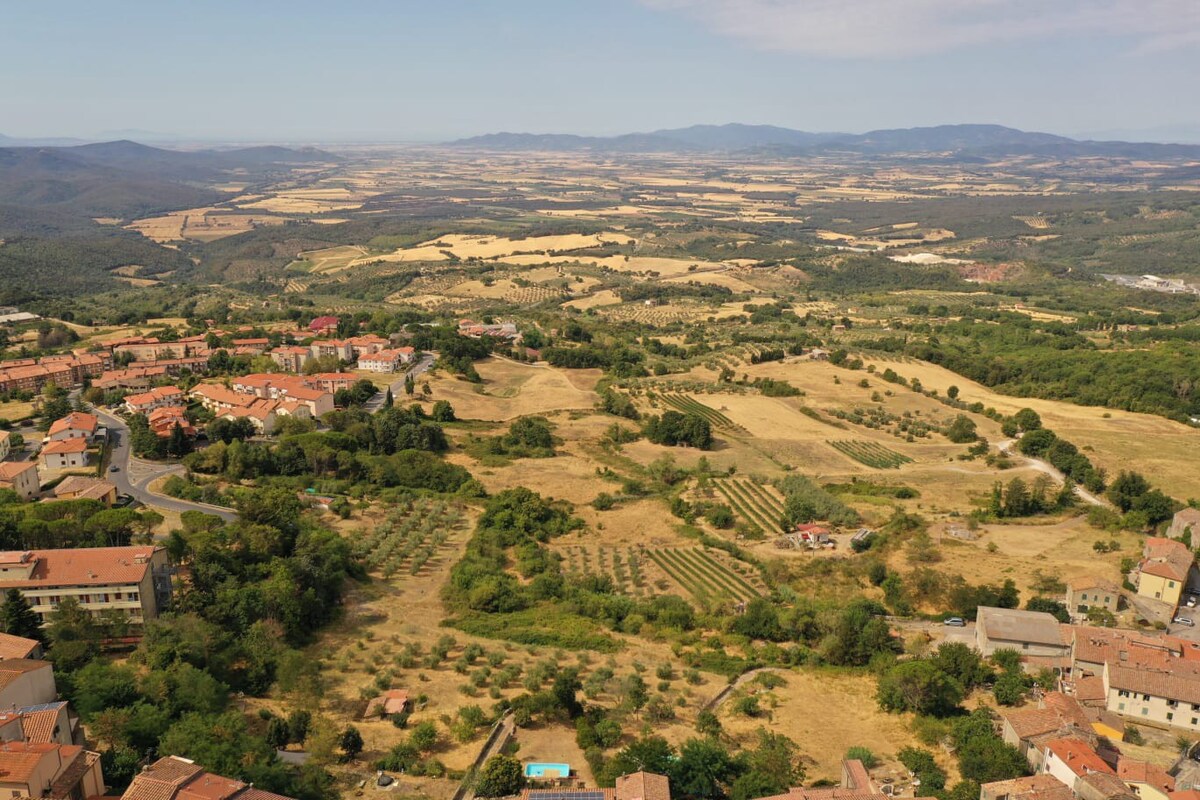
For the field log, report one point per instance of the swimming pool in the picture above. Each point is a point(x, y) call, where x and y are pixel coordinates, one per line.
point(536, 769)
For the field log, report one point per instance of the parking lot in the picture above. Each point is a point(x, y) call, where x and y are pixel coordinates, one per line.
point(1183, 630)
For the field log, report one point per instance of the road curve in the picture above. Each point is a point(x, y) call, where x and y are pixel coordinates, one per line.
point(138, 488)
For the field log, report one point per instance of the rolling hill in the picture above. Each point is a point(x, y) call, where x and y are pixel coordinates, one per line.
point(965, 141)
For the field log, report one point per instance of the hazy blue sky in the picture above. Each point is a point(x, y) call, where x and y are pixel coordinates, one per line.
point(300, 70)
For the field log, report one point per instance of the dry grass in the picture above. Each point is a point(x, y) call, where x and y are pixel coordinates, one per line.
point(511, 390)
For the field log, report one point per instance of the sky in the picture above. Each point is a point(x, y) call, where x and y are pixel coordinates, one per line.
point(430, 70)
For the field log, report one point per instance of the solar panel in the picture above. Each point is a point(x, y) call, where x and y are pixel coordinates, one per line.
point(41, 707)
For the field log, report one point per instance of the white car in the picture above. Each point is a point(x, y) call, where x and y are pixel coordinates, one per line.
point(1184, 621)
point(1191, 601)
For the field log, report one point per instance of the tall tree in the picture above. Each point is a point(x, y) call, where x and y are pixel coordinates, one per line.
point(18, 618)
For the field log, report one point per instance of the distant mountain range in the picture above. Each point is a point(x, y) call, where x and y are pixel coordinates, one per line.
point(962, 141)
point(126, 179)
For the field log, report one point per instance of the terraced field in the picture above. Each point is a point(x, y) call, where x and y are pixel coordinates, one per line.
point(685, 404)
point(758, 506)
point(626, 567)
point(702, 575)
point(870, 454)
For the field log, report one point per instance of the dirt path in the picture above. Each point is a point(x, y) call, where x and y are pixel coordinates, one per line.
point(502, 731)
point(723, 695)
point(1047, 468)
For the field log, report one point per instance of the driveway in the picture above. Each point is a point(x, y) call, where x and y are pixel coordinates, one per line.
point(134, 475)
point(1182, 630)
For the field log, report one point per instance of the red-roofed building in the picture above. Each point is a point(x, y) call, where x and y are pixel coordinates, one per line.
point(21, 477)
point(1070, 759)
point(324, 326)
point(47, 723)
point(76, 425)
point(19, 647)
point(163, 421)
point(1166, 569)
point(386, 360)
point(54, 771)
point(134, 580)
point(175, 778)
point(1148, 781)
point(393, 701)
point(291, 358)
point(65, 454)
point(158, 397)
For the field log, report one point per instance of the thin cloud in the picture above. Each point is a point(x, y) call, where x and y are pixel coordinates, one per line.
point(898, 28)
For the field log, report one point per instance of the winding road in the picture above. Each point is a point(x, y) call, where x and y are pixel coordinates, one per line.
point(134, 475)
point(1046, 468)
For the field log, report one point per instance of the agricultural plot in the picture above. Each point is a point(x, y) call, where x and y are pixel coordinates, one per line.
point(625, 566)
point(413, 534)
point(702, 575)
point(870, 454)
point(685, 404)
point(758, 506)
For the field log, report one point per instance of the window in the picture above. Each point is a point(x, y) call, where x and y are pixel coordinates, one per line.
point(1106, 598)
point(1170, 584)
point(1122, 693)
point(1083, 596)
point(1194, 720)
point(1120, 707)
point(1170, 716)
point(1145, 711)
point(1172, 703)
point(1146, 697)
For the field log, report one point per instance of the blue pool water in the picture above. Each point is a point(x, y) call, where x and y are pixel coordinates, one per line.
point(539, 770)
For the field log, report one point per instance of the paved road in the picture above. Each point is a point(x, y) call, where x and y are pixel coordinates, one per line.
point(135, 475)
point(374, 405)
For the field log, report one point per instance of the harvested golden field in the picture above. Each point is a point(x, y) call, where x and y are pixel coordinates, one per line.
point(511, 390)
point(826, 712)
point(200, 224)
point(15, 410)
point(1062, 549)
point(1159, 448)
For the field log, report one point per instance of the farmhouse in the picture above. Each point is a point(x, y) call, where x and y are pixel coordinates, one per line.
point(21, 477)
point(1166, 569)
point(393, 701)
point(1031, 633)
point(133, 580)
point(175, 778)
point(65, 454)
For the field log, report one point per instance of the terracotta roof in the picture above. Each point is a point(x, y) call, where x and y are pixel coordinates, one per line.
point(1056, 715)
point(77, 445)
point(16, 646)
point(19, 760)
point(1171, 685)
point(1079, 757)
point(1042, 786)
point(1108, 785)
point(1166, 558)
point(174, 777)
point(643, 786)
point(84, 488)
point(78, 761)
point(75, 421)
point(154, 395)
point(13, 668)
point(85, 566)
point(1132, 771)
point(11, 469)
point(38, 723)
point(1092, 582)
point(1090, 689)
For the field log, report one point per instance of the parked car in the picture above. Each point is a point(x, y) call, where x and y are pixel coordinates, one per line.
point(114, 468)
point(1191, 601)
point(1184, 621)
point(955, 622)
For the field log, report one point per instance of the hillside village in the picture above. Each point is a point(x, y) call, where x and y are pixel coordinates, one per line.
point(1110, 662)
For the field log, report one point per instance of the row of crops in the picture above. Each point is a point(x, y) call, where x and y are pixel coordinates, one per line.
point(412, 534)
point(755, 504)
point(685, 404)
point(871, 454)
point(701, 574)
point(623, 565)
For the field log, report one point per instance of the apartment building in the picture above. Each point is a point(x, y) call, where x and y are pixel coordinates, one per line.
point(159, 397)
point(1165, 697)
point(386, 360)
point(135, 580)
point(291, 358)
